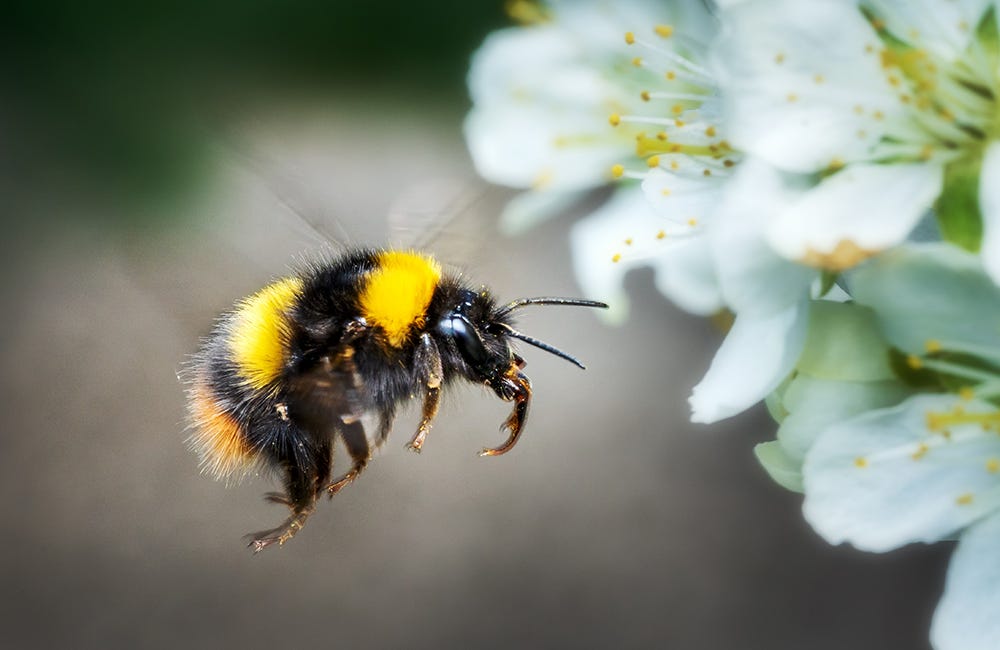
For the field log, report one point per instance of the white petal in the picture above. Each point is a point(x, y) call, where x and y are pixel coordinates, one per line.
point(804, 82)
point(883, 479)
point(814, 405)
point(522, 147)
point(967, 616)
point(752, 277)
point(943, 28)
point(681, 198)
point(686, 276)
point(923, 292)
point(756, 356)
point(683, 267)
point(989, 207)
point(865, 208)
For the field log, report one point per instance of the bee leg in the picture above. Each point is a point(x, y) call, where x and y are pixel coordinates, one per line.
point(514, 386)
point(385, 420)
point(427, 361)
point(356, 442)
point(301, 490)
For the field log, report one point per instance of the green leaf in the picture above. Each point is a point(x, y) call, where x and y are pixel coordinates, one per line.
point(958, 206)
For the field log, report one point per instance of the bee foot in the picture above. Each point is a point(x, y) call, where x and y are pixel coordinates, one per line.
point(342, 482)
point(260, 540)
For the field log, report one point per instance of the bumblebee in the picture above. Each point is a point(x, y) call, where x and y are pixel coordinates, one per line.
point(331, 353)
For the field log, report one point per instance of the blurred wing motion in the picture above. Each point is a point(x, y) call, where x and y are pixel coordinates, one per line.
point(451, 216)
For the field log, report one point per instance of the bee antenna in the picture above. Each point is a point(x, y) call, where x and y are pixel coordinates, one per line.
point(510, 331)
point(546, 300)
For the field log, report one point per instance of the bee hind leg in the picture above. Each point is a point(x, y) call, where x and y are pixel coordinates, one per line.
point(302, 487)
point(353, 434)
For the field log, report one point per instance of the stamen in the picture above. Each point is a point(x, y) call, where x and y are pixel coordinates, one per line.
point(939, 422)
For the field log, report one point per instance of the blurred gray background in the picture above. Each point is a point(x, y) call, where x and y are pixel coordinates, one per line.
point(615, 522)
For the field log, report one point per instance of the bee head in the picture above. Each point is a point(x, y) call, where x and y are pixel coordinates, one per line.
point(481, 333)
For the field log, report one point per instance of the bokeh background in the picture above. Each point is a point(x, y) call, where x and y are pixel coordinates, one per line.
point(156, 163)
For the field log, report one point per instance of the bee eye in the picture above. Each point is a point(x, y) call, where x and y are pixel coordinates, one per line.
point(467, 339)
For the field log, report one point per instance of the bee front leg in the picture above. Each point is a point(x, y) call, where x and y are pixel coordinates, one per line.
point(427, 361)
point(513, 386)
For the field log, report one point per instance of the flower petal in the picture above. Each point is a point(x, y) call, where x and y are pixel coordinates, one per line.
point(623, 234)
point(814, 405)
point(966, 618)
point(885, 479)
point(804, 82)
point(855, 213)
point(844, 344)
point(752, 277)
point(944, 28)
point(989, 208)
point(756, 356)
point(923, 292)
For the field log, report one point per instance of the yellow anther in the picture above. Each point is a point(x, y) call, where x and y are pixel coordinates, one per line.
point(661, 234)
point(993, 465)
point(645, 95)
point(678, 123)
point(710, 131)
point(818, 79)
point(859, 109)
point(674, 165)
point(666, 31)
point(835, 164)
point(662, 135)
point(617, 171)
point(939, 422)
point(676, 109)
point(653, 161)
point(692, 222)
point(628, 241)
point(861, 461)
point(966, 393)
point(932, 346)
point(792, 98)
point(706, 172)
point(629, 38)
point(615, 119)
point(637, 61)
point(617, 257)
point(728, 163)
point(779, 58)
point(914, 362)
point(665, 192)
point(964, 499)
point(878, 115)
point(920, 452)
point(671, 75)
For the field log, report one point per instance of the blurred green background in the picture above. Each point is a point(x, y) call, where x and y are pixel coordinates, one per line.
point(158, 159)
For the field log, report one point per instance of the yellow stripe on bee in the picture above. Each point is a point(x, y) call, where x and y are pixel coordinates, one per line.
point(398, 292)
point(258, 336)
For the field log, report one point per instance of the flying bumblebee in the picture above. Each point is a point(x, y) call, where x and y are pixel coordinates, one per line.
point(331, 353)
